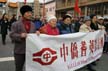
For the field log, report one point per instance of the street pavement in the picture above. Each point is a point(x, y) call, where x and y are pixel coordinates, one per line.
point(7, 60)
point(6, 56)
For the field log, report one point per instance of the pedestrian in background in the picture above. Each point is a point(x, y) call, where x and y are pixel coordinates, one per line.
point(38, 23)
point(78, 22)
point(4, 27)
point(12, 20)
point(19, 32)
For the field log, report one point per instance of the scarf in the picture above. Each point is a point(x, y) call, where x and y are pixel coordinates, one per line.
point(27, 25)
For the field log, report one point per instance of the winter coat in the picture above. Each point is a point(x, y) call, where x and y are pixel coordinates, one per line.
point(4, 26)
point(65, 29)
point(85, 28)
point(47, 29)
point(16, 30)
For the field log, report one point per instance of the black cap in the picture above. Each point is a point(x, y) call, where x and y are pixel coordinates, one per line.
point(66, 16)
point(25, 8)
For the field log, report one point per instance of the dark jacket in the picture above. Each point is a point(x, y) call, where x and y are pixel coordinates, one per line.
point(4, 26)
point(77, 26)
point(94, 26)
point(16, 30)
point(65, 29)
point(38, 24)
point(11, 22)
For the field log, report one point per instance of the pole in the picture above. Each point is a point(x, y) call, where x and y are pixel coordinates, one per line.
point(43, 10)
point(18, 10)
point(25, 1)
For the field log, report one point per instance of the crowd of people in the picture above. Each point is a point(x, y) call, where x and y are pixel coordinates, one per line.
point(52, 26)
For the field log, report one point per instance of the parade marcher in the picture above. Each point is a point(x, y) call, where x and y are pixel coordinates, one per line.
point(12, 20)
point(100, 22)
point(66, 26)
point(78, 23)
point(59, 21)
point(38, 23)
point(19, 32)
point(105, 49)
point(4, 27)
point(51, 27)
point(86, 26)
point(94, 26)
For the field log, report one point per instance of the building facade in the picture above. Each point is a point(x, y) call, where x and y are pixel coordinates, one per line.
point(13, 8)
point(37, 8)
point(99, 7)
point(2, 8)
point(48, 8)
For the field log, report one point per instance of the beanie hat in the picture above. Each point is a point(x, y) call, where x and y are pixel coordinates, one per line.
point(25, 8)
point(87, 18)
point(69, 15)
point(66, 16)
point(50, 17)
point(100, 18)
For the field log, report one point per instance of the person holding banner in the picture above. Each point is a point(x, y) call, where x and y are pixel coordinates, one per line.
point(19, 31)
point(105, 49)
point(66, 27)
point(100, 22)
point(50, 28)
point(94, 24)
point(86, 26)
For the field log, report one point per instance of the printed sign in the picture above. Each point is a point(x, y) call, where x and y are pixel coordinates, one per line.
point(66, 52)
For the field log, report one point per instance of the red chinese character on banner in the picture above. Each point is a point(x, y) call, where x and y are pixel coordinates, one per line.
point(96, 44)
point(83, 48)
point(101, 42)
point(92, 47)
point(64, 52)
point(74, 50)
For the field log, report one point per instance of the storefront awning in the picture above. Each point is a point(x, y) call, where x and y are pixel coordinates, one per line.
point(13, 5)
point(3, 1)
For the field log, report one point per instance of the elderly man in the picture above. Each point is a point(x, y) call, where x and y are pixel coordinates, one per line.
point(19, 31)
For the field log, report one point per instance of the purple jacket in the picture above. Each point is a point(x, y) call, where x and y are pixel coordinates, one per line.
point(17, 29)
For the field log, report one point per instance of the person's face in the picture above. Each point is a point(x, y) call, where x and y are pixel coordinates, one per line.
point(101, 21)
point(53, 22)
point(67, 21)
point(28, 15)
point(6, 16)
point(95, 19)
point(88, 23)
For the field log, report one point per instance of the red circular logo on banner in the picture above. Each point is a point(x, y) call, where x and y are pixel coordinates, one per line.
point(45, 57)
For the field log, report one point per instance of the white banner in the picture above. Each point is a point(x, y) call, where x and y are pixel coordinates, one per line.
point(63, 52)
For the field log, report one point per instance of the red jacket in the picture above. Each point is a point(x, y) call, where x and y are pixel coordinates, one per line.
point(47, 29)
